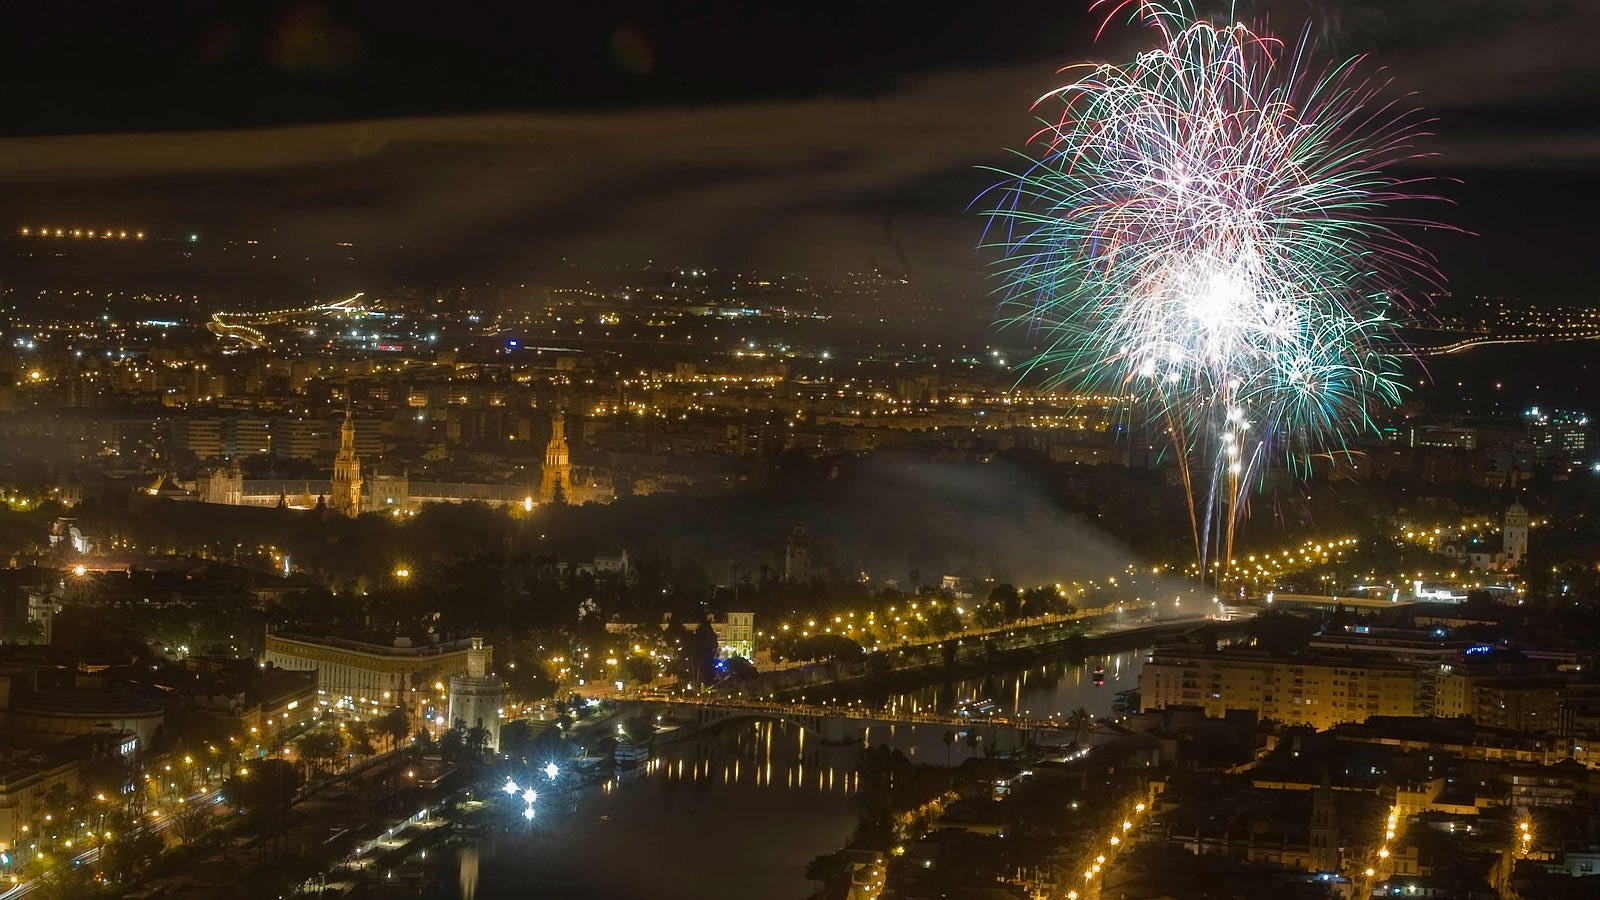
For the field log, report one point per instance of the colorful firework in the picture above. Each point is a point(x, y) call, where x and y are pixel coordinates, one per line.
point(1211, 230)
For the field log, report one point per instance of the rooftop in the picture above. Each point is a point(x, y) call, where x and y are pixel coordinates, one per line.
point(410, 652)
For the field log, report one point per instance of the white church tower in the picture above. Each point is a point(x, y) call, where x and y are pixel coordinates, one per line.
point(1514, 534)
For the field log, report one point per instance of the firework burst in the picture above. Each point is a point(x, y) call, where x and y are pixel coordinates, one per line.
point(1211, 230)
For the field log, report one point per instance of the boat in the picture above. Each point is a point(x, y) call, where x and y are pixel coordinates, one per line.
point(977, 709)
point(1099, 675)
point(1126, 701)
point(630, 754)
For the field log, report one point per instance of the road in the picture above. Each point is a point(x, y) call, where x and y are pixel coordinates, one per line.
point(162, 823)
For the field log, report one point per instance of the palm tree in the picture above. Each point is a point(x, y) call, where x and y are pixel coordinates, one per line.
point(1081, 720)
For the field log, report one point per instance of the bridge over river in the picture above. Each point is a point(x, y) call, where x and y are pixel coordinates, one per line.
point(847, 723)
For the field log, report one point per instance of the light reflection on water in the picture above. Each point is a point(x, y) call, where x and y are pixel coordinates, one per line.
point(1039, 691)
point(738, 811)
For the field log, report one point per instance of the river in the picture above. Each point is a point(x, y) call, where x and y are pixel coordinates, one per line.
point(740, 810)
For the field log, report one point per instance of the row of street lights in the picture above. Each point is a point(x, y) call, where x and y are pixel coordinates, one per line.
point(1113, 845)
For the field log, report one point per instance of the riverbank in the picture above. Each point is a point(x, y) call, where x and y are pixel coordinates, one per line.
point(1047, 642)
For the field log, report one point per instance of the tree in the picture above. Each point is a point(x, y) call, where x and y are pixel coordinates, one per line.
point(943, 619)
point(639, 728)
point(321, 747)
point(1081, 720)
point(827, 646)
point(424, 741)
point(476, 743)
point(638, 669)
point(884, 778)
point(263, 785)
point(1037, 601)
point(394, 725)
point(517, 739)
point(990, 614)
point(191, 821)
point(740, 669)
point(701, 653)
point(528, 682)
point(68, 882)
point(827, 868)
point(361, 739)
point(129, 850)
point(1006, 601)
point(878, 664)
point(453, 742)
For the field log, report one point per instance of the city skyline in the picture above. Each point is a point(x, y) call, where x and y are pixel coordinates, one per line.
point(465, 453)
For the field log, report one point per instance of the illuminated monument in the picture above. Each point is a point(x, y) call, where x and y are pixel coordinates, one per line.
point(345, 490)
point(556, 479)
point(1514, 534)
point(476, 696)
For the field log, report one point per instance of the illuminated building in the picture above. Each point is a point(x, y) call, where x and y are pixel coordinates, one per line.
point(199, 437)
point(1514, 534)
point(373, 674)
point(345, 491)
point(1559, 436)
point(476, 697)
point(1528, 703)
point(222, 484)
point(736, 635)
point(1444, 436)
point(1320, 691)
point(556, 476)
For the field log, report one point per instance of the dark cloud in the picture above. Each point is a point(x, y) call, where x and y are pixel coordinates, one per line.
point(873, 167)
point(831, 180)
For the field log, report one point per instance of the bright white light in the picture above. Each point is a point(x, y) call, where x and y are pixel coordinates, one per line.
point(510, 787)
point(551, 771)
point(527, 813)
point(530, 795)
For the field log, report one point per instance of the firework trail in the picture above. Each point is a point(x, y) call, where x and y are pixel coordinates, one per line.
point(1211, 230)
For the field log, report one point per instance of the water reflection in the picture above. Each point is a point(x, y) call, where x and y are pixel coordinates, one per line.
point(469, 872)
point(768, 796)
point(1041, 690)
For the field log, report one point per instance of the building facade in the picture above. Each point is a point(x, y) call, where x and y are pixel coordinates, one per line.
point(555, 479)
point(736, 635)
point(369, 674)
point(345, 491)
point(1320, 691)
point(1514, 534)
point(477, 697)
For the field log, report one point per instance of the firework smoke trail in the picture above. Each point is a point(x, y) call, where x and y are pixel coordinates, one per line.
point(1210, 229)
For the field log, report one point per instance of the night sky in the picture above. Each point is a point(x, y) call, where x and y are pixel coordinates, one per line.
point(492, 137)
